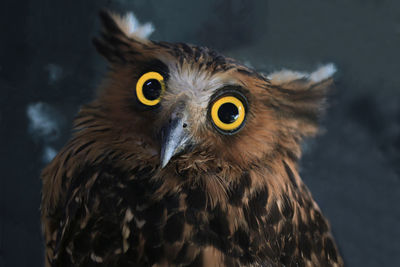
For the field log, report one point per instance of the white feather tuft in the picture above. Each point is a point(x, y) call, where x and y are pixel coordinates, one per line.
point(284, 76)
point(131, 26)
point(323, 73)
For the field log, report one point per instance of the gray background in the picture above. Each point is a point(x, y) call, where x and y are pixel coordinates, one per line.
point(353, 168)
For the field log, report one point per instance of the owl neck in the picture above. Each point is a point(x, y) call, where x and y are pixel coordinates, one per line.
point(260, 186)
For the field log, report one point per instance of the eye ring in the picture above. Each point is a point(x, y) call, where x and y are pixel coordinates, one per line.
point(149, 77)
point(231, 104)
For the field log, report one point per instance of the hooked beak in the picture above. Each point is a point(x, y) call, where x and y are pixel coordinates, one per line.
point(174, 139)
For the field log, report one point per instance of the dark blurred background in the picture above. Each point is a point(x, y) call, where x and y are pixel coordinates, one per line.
point(48, 68)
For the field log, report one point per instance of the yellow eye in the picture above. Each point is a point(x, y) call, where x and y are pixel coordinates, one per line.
point(228, 114)
point(149, 88)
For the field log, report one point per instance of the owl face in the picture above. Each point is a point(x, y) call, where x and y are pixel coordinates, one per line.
point(188, 102)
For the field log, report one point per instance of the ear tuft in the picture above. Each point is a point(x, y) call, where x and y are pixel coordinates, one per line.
point(131, 27)
point(323, 73)
point(121, 37)
point(288, 76)
point(109, 24)
point(300, 97)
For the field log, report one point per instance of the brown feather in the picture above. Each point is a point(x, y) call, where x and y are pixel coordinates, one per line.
point(232, 200)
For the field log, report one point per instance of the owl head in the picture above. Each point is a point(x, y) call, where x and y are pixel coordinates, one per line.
point(189, 106)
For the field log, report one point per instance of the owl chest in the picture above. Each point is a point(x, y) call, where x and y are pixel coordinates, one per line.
point(182, 225)
point(131, 222)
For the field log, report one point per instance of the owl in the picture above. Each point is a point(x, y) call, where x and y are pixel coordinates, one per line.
point(186, 158)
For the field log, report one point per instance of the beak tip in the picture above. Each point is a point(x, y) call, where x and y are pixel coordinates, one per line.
point(163, 164)
point(173, 140)
point(165, 158)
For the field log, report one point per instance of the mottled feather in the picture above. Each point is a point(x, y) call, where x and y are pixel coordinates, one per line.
point(228, 200)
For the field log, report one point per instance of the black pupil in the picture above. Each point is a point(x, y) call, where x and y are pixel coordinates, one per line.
point(152, 89)
point(228, 113)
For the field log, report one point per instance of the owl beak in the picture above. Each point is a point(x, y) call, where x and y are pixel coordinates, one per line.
point(174, 139)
